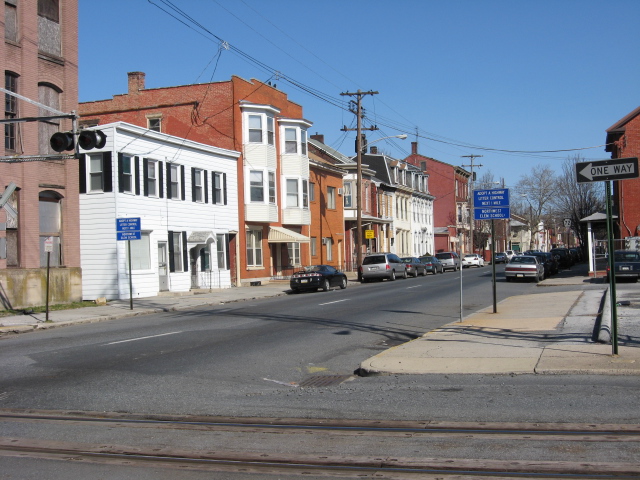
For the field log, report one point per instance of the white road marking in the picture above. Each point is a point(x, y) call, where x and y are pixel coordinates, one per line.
point(417, 286)
point(329, 303)
point(141, 338)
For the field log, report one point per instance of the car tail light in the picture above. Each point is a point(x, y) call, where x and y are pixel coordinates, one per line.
point(388, 267)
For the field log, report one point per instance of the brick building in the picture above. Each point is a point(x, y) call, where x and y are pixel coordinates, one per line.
point(273, 173)
point(623, 141)
point(39, 57)
point(450, 187)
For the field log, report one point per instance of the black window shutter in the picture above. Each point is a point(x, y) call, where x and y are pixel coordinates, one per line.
point(161, 180)
point(168, 180)
point(120, 175)
point(182, 182)
point(224, 187)
point(185, 253)
point(137, 175)
point(82, 169)
point(107, 171)
point(172, 265)
point(145, 177)
point(206, 186)
point(193, 184)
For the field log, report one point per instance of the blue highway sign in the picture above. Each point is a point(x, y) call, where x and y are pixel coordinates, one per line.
point(127, 224)
point(492, 213)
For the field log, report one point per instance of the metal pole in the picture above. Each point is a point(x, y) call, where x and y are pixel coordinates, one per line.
point(46, 318)
point(493, 264)
point(460, 250)
point(130, 279)
point(612, 276)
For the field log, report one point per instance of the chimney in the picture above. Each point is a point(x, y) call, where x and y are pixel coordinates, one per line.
point(374, 150)
point(136, 82)
point(318, 137)
point(414, 148)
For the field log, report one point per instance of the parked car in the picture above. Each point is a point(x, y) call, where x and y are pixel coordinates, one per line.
point(524, 266)
point(382, 265)
point(432, 264)
point(472, 259)
point(449, 260)
point(500, 257)
point(549, 262)
point(564, 257)
point(414, 266)
point(510, 254)
point(317, 276)
point(626, 264)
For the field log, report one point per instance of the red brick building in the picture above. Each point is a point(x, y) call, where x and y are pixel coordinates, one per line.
point(39, 57)
point(450, 186)
point(623, 141)
point(247, 116)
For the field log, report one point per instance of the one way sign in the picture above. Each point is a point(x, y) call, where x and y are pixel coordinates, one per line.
point(602, 170)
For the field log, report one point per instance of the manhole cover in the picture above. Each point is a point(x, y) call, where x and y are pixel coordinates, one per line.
point(324, 380)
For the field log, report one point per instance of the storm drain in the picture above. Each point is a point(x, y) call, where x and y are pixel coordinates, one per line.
point(323, 381)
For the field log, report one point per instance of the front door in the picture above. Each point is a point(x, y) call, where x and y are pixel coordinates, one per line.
point(163, 273)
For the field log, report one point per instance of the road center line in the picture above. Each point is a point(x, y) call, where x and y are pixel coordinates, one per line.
point(141, 338)
point(329, 303)
point(417, 286)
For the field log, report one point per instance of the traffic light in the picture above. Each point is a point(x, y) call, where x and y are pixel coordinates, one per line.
point(87, 140)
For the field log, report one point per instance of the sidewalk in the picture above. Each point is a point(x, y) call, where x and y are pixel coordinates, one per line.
point(544, 333)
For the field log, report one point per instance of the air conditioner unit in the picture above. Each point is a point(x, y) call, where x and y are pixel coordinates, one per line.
point(325, 241)
point(340, 191)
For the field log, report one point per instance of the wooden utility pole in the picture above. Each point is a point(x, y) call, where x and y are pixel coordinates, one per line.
point(359, 94)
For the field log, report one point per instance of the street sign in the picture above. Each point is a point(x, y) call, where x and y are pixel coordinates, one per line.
point(369, 234)
point(492, 204)
point(48, 244)
point(128, 228)
point(135, 235)
point(498, 213)
point(603, 170)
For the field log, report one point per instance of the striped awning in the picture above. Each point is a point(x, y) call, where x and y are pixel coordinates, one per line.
point(284, 235)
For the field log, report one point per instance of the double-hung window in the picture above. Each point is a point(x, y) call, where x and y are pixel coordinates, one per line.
point(293, 249)
point(10, 110)
point(126, 174)
point(254, 248)
point(96, 178)
point(219, 194)
point(270, 130)
point(292, 192)
point(151, 169)
point(348, 198)
point(220, 250)
point(255, 128)
point(331, 198)
point(140, 253)
point(305, 194)
point(256, 185)
point(290, 140)
point(272, 188)
point(174, 182)
point(176, 247)
point(198, 185)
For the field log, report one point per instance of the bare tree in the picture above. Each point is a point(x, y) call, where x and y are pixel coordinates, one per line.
point(537, 190)
point(575, 200)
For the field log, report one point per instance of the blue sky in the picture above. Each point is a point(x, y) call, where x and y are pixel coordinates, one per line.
point(489, 78)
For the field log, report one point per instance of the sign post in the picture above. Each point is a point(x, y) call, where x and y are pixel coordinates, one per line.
point(128, 229)
point(48, 247)
point(492, 204)
point(607, 171)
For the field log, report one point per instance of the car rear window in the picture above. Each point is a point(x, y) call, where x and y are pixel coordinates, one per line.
point(443, 256)
point(523, 260)
point(370, 260)
point(626, 257)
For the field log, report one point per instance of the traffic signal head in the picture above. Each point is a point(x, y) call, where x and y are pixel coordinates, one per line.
point(89, 139)
point(61, 141)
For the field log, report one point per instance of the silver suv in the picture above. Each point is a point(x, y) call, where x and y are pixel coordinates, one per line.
point(381, 266)
point(449, 260)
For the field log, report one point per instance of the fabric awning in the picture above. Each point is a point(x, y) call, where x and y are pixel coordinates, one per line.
point(284, 235)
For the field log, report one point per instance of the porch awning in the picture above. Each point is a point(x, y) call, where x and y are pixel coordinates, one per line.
point(200, 237)
point(284, 235)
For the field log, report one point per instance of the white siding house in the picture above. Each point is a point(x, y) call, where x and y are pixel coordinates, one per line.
point(186, 196)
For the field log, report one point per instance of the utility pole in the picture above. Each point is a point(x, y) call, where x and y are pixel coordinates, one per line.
point(359, 94)
point(471, 221)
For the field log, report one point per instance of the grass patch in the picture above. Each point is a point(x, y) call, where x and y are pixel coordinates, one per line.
point(43, 309)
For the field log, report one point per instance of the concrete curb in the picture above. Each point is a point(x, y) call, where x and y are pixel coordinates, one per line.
point(604, 332)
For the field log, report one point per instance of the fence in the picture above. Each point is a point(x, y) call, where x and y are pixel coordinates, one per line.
point(211, 279)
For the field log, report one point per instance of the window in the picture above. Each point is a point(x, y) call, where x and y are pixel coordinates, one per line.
point(10, 20)
point(347, 198)
point(314, 246)
point(50, 223)
point(178, 256)
point(290, 140)
point(197, 185)
point(254, 248)
point(293, 249)
point(154, 123)
point(221, 251)
point(255, 128)
point(305, 195)
point(292, 192)
point(10, 110)
point(50, 96)
point(219, 188)
point(329, 244)
point(272, 188)
point(256, 186)
point(174, 182)
point(151, 170)
point(49, 27)
point(126, 175)
point(140, 252)
point(270, 131)
point(312, 192)
point(303, 142)
point(96, 179)
point(331, 197)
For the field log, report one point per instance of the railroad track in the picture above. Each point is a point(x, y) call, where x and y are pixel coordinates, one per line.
point(333, 448)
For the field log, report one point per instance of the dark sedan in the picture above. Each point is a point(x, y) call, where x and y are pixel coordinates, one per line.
point(414, 266)
point(501, 258)
point(548, 260)
point(432, 264)
point(318, 276)
point(626, 264)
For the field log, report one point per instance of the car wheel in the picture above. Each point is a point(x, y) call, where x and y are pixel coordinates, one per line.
point(405, 274)
point(325, 286)
point(424, 272)
point(392, 277)
point(343, 284)
point(415, 274)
